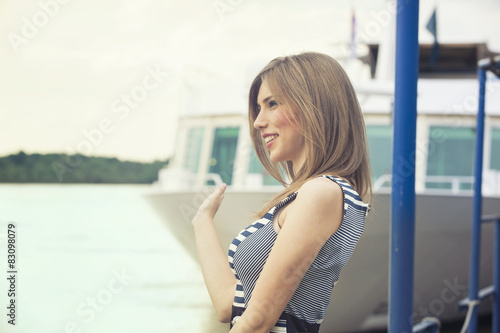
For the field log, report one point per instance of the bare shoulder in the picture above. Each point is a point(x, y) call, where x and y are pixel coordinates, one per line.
point(322, 190)
point(319, 202)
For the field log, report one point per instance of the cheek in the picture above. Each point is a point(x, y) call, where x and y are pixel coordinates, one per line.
point(283, 121)
point(289, 124)
point(288, 128)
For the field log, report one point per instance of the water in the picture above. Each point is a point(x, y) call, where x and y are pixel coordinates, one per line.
point(96, 258)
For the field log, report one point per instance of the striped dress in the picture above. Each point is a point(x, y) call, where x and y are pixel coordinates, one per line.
point(306, 309)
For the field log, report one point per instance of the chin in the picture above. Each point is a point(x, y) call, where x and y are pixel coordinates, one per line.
point(276, 158)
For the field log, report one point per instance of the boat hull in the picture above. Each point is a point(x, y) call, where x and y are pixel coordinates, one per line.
point(359, 300)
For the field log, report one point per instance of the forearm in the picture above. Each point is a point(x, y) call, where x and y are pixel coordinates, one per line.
point(245, 325)
point(269, 299)
point(219, 279)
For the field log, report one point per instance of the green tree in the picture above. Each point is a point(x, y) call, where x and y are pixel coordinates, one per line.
point(62, 168)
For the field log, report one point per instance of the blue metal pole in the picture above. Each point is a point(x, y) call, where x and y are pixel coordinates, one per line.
point(403, 169)
point(476, 210)
point(496, 280)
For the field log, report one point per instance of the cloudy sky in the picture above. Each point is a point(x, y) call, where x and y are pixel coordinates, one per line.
point(110, 78)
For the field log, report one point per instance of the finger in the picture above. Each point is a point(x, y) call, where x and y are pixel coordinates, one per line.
point(216, 191)
point(220, 189)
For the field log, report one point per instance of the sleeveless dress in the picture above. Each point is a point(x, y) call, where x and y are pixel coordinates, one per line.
point(306, 309)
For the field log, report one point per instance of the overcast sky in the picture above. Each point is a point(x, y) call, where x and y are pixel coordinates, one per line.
point(111, 77)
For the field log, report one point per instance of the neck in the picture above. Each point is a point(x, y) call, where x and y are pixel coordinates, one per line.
point(296, 166)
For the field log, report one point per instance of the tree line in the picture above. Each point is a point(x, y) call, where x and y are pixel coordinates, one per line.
point(63, 168)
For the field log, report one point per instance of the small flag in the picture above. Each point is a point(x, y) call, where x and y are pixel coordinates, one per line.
point(432, 27)
point(352, 44)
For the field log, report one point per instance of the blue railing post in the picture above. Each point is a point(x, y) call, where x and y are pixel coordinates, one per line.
point(496, 279)
point(403, 169)
point(476, 210)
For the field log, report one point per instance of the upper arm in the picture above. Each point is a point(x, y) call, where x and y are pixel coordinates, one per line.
point(311, 219)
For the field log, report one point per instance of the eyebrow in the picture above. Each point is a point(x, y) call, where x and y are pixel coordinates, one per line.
point(265, 100)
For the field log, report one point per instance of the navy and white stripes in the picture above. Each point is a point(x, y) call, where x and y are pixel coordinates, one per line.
point(250, 249)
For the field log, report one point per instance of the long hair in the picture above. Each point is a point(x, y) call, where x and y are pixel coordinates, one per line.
point(330, 120)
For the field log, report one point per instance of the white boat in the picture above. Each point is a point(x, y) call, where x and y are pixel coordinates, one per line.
point(214, 146)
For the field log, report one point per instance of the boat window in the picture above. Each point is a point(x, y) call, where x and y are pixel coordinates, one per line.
point(255, 167)
point(379, 142)
point(224, 152)
point(495, 149)
point(450, 155)
point(193, 149)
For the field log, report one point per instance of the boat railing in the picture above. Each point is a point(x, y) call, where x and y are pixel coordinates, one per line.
point(212, 179)
point(402, 245)
point(179, 179)
point(382, 182)
point(446, 185)
point(490, 291)
point(475, 295)
point(440, 184)
point(455, 184)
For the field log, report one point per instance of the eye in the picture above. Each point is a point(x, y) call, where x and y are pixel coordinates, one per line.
point(273, 104)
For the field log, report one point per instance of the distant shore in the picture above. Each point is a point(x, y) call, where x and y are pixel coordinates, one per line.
point(71, 169)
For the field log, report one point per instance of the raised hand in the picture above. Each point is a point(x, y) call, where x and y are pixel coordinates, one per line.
point(211, 204)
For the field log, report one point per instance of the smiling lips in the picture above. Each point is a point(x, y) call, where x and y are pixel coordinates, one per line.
point(269, 139)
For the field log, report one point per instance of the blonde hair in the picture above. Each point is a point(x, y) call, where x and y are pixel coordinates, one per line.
point(330, 118)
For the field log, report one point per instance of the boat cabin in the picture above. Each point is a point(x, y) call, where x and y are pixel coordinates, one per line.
point(213, 141)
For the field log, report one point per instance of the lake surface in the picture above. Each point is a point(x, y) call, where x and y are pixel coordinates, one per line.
point(96, 258)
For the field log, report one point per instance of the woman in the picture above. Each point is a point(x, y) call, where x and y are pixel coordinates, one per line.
point(305, 122)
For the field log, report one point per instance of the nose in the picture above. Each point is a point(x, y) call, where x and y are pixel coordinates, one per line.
point(260, 122)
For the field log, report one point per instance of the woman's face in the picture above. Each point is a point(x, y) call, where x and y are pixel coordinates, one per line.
point(283, 140)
